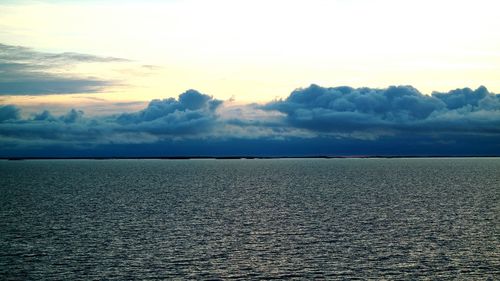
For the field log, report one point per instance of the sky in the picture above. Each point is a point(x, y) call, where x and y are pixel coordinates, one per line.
point(238, 77)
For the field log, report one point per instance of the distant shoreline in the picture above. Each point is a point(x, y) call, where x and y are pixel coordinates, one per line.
point(247, 157)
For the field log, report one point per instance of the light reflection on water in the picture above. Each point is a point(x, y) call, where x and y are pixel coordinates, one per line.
point(250, 219)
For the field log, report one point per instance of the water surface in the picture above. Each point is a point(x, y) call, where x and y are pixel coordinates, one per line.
point(250, 219)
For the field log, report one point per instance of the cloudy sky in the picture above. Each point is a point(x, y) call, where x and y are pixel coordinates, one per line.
point(238, 77)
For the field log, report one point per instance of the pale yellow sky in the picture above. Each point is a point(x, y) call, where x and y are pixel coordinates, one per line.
point(259, 50)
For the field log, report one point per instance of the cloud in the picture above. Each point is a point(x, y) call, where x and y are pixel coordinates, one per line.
point(24, 54)
point(72, 116)
point(39, 84)
point(469, 99)
point(315, 120)
point(44, 116)
point(394, 110)
point(28, 72)
point(9, 112)
point(193, 114)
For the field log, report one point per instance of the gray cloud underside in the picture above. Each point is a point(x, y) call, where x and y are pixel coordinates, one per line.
point(395, 109)
point(313, 112)
point(192, 114)
point(24, 71)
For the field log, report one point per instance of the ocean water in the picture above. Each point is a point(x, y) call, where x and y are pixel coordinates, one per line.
point(336, 219)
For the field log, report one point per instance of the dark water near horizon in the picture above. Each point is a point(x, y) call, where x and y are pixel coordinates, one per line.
point(298, 219)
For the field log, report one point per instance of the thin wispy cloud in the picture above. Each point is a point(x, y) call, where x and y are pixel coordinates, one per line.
point(25, 71)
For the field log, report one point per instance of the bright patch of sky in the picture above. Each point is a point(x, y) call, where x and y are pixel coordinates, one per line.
point(258, 50)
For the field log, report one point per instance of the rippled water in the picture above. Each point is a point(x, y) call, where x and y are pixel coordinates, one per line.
point(250, 219)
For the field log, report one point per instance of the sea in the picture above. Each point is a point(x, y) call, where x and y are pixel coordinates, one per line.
point(250, 219)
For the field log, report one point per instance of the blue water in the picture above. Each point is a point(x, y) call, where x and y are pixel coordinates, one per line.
point(301, 219)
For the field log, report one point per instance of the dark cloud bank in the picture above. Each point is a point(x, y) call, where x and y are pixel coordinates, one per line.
point(311, 121)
